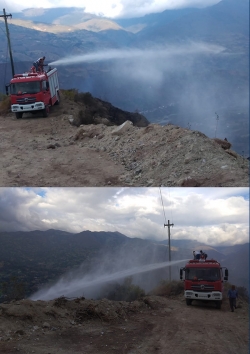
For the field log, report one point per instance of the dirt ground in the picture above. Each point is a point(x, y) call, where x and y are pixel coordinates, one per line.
point(153, 325)
point(37, 151)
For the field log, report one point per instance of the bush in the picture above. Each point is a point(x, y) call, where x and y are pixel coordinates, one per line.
point(4, 104)
point(243, 293)
point(124, 292)
point(85, 98)
point(85, 118)
point(70, 94)
point(166, 288)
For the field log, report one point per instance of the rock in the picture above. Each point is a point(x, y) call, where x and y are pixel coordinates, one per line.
point(51, 146)
point(100, 120)
point(46, 325)
point(71, 120)
point(121, 129)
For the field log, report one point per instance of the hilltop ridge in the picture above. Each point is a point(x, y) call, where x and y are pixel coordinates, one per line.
point(61, 151)
point(149, 325)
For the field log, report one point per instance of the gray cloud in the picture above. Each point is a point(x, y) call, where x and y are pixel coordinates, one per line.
point(111, 8)
point(212, 215)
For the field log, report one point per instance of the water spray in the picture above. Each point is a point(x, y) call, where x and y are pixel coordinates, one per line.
point(66, 287)
point(134, 53)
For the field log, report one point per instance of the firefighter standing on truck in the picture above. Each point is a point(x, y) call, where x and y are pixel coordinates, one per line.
point(38, 64)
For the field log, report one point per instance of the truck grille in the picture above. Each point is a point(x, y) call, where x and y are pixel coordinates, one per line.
point(26, 100)
point(202, 287)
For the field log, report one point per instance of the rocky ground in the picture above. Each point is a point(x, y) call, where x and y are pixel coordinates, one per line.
point(153, 325)
point(36, 151)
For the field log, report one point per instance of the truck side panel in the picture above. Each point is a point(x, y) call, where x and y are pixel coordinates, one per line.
point(53, 85)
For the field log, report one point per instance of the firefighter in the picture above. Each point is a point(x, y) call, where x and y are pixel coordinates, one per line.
point(203, 255)
point(232, 295)
point(39, 64)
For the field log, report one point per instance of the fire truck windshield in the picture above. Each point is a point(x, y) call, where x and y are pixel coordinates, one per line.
point(20, 88)
point(208, 274)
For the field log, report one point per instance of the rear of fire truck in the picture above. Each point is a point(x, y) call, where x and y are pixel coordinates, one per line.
point(203, 281)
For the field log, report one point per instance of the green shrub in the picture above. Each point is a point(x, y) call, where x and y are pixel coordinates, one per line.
point(70, 94)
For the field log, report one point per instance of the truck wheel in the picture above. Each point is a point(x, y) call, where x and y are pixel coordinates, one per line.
point(46, 111)
point(188, 302)
point(58, 98)
point(218, 304)
point(19, 115)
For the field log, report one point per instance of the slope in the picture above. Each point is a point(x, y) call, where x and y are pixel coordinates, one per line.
point(152, 325)
point(52, 152)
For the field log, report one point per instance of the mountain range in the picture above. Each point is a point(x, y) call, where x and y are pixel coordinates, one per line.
point(192, 65)
point(38, 258)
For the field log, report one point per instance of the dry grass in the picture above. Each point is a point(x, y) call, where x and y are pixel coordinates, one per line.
point(167, 288)
point(5, 105)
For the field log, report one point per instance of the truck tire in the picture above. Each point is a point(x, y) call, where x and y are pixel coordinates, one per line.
point(218, 304)
point(188, 302)
point(45, 111)
point(19, 115)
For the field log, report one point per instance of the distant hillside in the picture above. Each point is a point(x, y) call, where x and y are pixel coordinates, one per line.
point(219, 23)
point(39, 257)
point(93, 25)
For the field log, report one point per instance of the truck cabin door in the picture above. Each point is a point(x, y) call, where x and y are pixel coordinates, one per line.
point(46, 92)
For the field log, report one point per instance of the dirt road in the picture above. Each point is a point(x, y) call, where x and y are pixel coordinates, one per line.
point(155, 325)
point(36, 151)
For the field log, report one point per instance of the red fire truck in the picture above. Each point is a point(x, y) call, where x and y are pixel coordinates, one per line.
point(203, 281)
point(34, 91)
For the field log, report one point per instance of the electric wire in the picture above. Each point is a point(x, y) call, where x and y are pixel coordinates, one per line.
point(171, 206)
point(163, 206)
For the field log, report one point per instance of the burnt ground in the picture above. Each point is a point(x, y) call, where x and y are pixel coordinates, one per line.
point(37, 151)
point(152, 325)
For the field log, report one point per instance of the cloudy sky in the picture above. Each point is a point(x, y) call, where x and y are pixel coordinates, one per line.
point(109, 8)
point(211, 215)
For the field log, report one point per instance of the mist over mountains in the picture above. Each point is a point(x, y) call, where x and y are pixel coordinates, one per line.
point(206, 89)
point(40, 258)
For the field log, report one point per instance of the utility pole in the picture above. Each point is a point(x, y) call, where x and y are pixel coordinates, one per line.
point(8, 38)
point(169, 249)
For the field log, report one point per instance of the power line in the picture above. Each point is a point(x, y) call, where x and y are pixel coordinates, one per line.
point(162, 206)
point(171, 205)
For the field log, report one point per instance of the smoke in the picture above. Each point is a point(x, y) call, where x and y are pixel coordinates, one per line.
point(190, 81)
point(79, 284)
